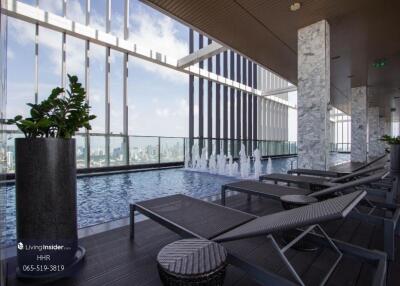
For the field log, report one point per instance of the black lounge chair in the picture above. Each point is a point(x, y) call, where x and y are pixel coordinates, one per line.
point(317, 173)
point(389, 221)
point(317, 183)
point(332, 173)
point(191, 217)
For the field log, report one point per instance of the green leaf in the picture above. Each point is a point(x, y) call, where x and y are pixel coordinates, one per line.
point(27, 123)
point(57, 116)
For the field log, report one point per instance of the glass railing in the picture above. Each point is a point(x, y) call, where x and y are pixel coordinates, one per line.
point(340, 147)
point(99, 150)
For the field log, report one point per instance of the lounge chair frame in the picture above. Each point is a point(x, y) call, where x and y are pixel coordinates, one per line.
point(333, 174)
point(264, 276)
point(315, 182)
point(303, 233)
point(390, 222)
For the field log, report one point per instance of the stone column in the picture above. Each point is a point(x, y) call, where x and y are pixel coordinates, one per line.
point(359, 124)
point(313, 95)
point(374, 146)
point(382, 131)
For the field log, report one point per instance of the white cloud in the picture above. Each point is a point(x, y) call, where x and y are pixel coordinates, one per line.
point(53, 6)
point(75, 11)
point(159, 34)
point(163, 112)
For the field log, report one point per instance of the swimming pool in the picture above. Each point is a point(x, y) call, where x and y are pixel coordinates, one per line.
point(106, 198)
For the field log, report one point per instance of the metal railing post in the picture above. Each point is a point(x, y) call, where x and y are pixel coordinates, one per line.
point(127, 149)
point(184, 150)
point(159, 150)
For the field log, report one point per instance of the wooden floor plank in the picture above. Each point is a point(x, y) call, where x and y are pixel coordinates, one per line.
point(112, 259)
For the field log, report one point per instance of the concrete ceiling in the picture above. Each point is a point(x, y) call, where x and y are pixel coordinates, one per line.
point(362, 31)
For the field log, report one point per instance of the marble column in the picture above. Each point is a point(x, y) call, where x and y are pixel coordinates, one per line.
point(359, 124)
point(313, 95)
point(374, 146)
point(382, 131)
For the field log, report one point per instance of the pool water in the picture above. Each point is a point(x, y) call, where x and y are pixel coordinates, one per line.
point(106, 198)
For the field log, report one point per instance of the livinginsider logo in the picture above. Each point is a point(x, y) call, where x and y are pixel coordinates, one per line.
point(42, 247)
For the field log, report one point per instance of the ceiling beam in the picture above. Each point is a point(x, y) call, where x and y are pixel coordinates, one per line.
point(207, 52)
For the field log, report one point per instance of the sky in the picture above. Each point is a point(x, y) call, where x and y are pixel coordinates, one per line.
point(157, 96)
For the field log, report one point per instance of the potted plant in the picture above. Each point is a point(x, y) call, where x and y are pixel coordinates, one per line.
point(394, 143)
point(45, 174)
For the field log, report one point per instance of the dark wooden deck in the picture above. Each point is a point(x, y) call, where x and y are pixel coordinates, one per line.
point(112, 259)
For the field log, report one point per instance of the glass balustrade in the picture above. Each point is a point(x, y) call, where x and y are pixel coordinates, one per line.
point(97, 150)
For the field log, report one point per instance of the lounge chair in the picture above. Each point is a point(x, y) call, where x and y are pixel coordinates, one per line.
point(334, 174)
point(317, 183)
point(191, 217)
point(389, 221)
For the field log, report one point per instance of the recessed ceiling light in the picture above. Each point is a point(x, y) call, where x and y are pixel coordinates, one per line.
point(295, 6)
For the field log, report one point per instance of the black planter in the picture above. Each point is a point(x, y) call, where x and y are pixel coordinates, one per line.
point(47, 240)
point(395, 158)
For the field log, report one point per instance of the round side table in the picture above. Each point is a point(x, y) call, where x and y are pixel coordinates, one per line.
point(192, 262)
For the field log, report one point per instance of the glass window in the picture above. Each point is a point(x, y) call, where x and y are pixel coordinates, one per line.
point(20, 81)
point(76, 10)
point(171, 150)
point(97, 87)
point(80, 141)
point(205, 109)
point(11, 151)
point(53, 6)
point(196, 40)
point(214, 110)
point(228, 67)
point(157, 100)
point(143, 150)
point(222, 112)
point(75, 58)
point(235, 102)
point(98, 14)
point(153, 30)
point(116, 93)
point(50, 57)
point(340, 130)
point(228, 123)
point(117, 151)
point(117, 17)
point(196, 107)
point(98, 151)
point(345, 131)
point(214, 64)
point(30, 2)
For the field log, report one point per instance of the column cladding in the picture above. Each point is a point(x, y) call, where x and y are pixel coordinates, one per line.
point(374, 145)
point(359, 124)
point(313, 95)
